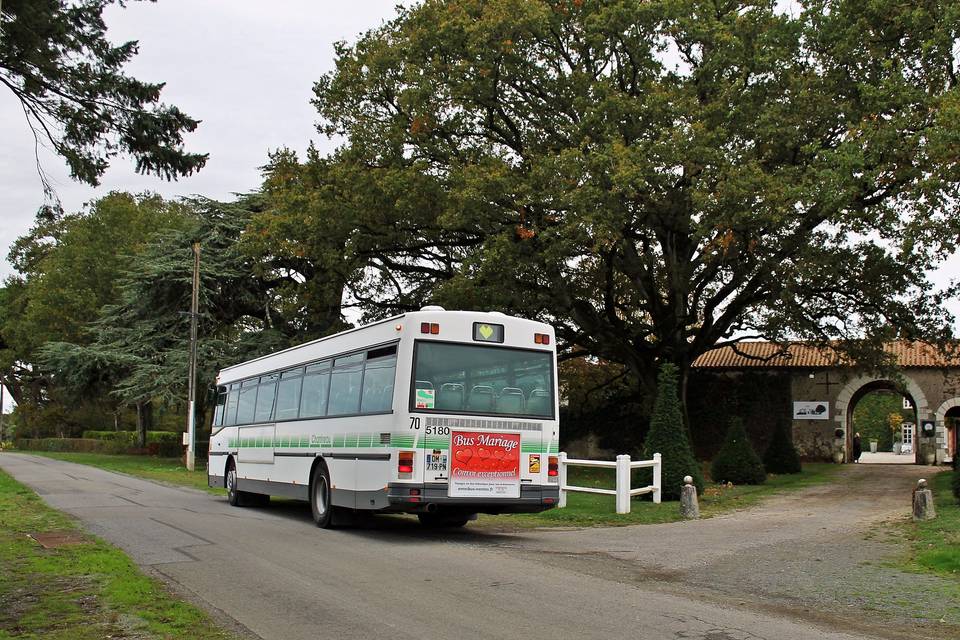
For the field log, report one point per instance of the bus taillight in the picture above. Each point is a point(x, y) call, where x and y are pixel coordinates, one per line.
point(553, 466)
point(405, 462)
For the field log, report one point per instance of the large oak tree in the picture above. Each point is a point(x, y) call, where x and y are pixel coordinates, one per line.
point(659, 178)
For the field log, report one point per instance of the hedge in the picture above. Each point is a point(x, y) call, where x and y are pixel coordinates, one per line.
point(130, 437)
point(92, 445)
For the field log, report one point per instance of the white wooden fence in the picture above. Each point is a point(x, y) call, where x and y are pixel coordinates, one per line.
point(623, 492)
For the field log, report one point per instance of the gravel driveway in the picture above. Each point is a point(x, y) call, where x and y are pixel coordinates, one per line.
point(822, 553)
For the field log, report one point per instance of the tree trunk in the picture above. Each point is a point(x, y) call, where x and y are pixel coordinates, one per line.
point(144, 422)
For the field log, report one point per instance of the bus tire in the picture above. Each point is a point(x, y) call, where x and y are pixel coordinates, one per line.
point(235, 497)
point(320, 494)
point(443, 521)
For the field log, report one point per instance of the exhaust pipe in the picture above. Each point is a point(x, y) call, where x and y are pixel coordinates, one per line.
point(432, 507)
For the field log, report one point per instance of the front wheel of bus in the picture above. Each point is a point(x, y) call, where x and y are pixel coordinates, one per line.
point(320, 497)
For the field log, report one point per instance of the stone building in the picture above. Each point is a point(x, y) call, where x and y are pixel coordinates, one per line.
point(825, 389)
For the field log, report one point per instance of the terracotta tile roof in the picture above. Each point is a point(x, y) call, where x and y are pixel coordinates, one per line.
point(764, 355)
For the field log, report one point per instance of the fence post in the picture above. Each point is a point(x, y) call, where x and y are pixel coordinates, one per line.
point(623, 483)
point(562, 478)
point(657, 480)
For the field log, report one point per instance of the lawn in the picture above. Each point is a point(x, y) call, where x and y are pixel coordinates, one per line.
point(84, 591)
point(587, 509)
point(936, 543)
point(169, 470)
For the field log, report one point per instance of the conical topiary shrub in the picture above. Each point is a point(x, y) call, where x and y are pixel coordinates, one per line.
point(781, 456)
point(668, 437)
point(736, 461)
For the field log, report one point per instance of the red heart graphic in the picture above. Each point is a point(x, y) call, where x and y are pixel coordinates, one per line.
point(483, 453)
point(464, 455)
point(499, 453)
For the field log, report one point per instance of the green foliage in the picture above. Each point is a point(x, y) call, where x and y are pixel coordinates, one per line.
point(56, 60)
point(781, 456)
point(871, 418)
point(653, 205)
point(130, 437)
point(668, 437)
point(736, 461)
point(163, 447)
point(956, 483)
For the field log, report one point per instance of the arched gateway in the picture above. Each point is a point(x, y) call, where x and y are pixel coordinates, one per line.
point(825, 389)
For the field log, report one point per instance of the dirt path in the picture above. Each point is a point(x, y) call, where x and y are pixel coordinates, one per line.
point(820, 552)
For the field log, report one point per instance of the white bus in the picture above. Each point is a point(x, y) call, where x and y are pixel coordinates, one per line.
point(444, 414)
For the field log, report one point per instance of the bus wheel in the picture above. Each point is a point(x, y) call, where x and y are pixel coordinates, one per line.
point(442, 521)
point(320, 497)
point(235, 497)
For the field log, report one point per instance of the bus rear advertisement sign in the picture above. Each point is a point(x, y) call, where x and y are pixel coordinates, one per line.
point(484, 465)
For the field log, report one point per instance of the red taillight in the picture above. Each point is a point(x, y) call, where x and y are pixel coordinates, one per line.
point(424, 327)
point(553, 466)
point(546, 339)
point(434, 328)
point(405, 462)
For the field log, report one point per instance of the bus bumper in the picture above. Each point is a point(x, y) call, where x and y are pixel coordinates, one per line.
point(533, 498)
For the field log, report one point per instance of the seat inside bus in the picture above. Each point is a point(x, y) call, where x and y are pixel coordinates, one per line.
point(511, 400)
point(539, 403)
point(450, 396)
point(481, 398)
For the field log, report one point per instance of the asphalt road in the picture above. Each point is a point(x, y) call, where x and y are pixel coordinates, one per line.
point(277, 576)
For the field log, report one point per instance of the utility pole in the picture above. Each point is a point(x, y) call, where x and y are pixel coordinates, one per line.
point(1, 415)
point(192, 383)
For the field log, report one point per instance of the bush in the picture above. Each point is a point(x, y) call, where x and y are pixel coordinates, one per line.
point(781, 456)
point(93, 445)
point(956, 480)
point(736, 461)
point(668, 437)
point(130, 437)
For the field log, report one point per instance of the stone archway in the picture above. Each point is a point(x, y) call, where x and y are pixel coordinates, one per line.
point(940, 419)
point(850, 392)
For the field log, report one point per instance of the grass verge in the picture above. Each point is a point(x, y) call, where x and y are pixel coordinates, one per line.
point(936, 543)
point(591, 510)
point(169, 470)
point(85, 591)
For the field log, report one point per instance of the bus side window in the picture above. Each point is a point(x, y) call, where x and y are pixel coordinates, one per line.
point(378, 375)
point(221, 403)
point(288, 395)
point(345, 385)
point(248, 401)
point(265, 398)
point(233, 397)
point(316, 383)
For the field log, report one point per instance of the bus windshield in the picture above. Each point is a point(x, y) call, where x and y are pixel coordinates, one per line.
point(483, 380)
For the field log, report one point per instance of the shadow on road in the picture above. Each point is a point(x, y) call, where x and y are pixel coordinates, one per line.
point(394, 528)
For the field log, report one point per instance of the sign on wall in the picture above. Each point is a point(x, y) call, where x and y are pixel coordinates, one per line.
point(484, 465)
point(815, 410)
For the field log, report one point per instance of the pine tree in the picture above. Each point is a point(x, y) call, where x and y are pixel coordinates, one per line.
point(781, 456)
point(668, 437)
point(736, 461)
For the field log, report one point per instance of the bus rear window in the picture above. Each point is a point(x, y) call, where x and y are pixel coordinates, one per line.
point(485, 380)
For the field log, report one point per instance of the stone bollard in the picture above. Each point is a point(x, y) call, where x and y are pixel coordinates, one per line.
point(923, 508)
point(689, 506)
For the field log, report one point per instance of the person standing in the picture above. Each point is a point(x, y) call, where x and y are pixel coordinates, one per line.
point(857, 447)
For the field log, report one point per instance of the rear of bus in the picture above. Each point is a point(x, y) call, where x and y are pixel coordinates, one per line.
point(481, 415)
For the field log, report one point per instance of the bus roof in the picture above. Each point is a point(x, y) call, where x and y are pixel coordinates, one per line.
point(242, 370)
